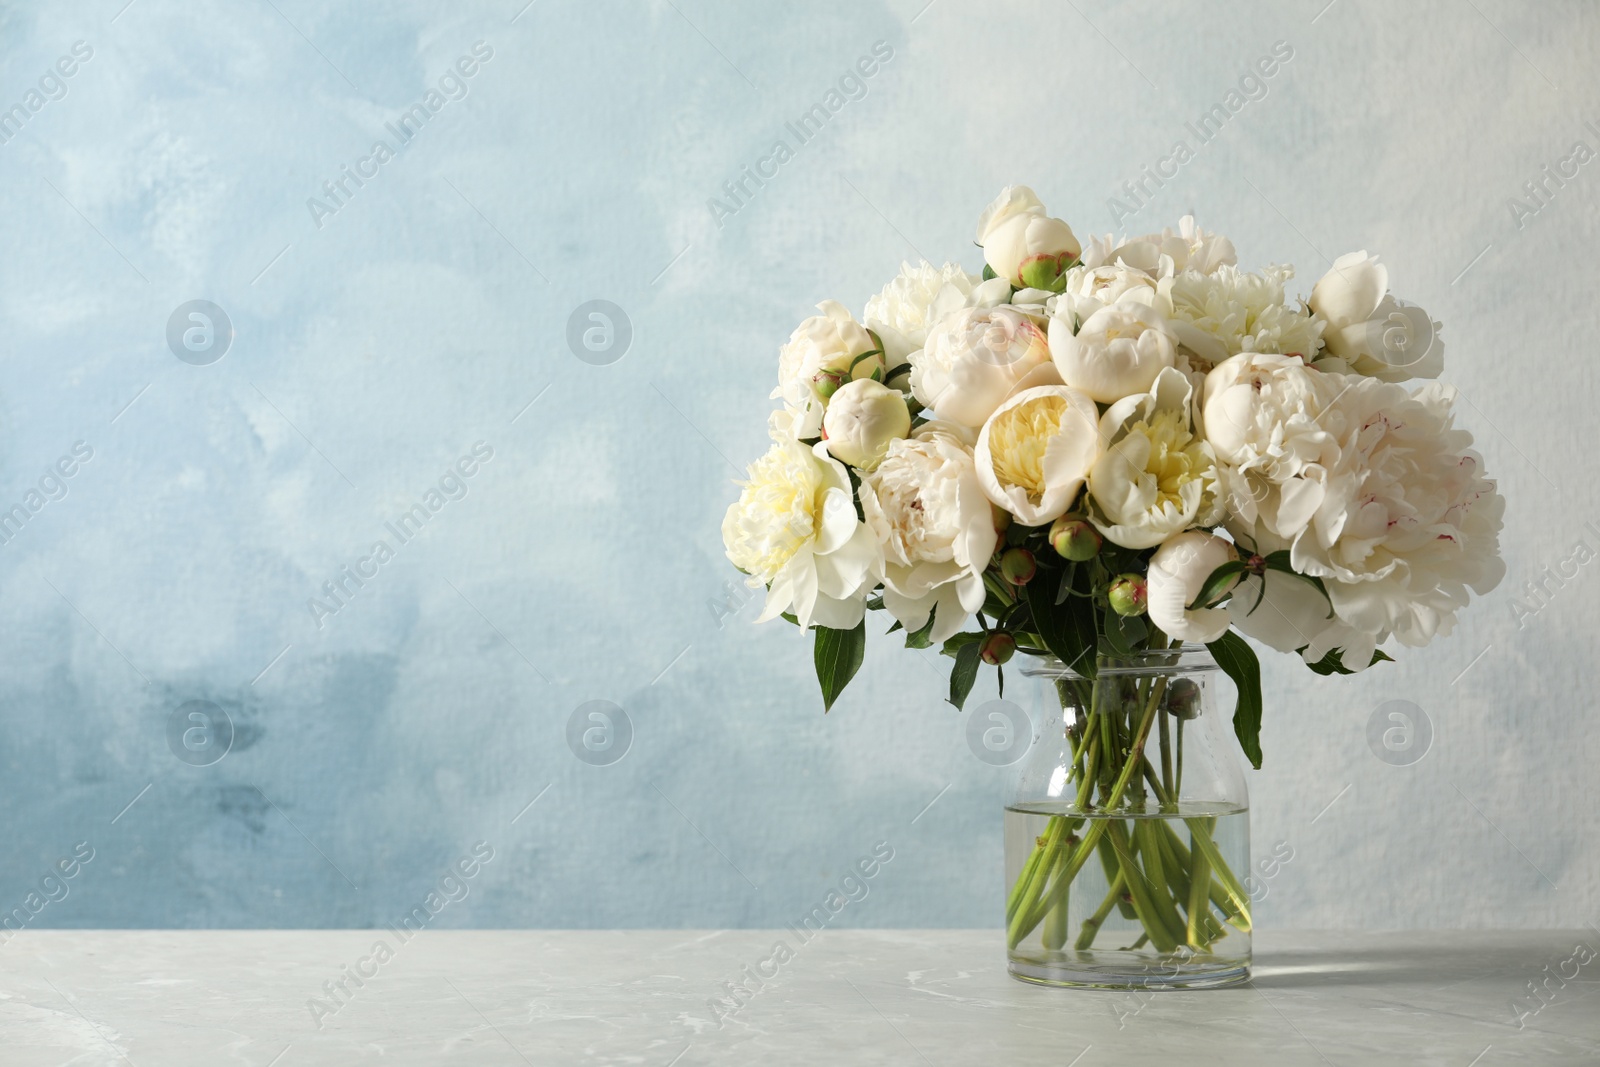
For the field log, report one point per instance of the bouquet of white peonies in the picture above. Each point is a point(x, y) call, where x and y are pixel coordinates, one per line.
point(1089, 451)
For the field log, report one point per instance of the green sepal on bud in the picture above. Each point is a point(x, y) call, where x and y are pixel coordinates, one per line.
point(1183, 699)
point(1018, 566)
point(1075, 538)
point(1044, 272)
point(827, 382)
point(997, 648)
point(1128, 595)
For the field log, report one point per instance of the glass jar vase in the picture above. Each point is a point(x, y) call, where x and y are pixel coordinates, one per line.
point(1127, 837)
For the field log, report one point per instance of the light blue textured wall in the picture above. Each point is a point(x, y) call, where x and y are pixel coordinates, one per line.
point(378, 343)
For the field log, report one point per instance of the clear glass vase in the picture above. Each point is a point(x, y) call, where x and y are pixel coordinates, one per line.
point(1127, 837)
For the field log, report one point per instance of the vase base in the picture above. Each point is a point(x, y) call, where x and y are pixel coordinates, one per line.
point(1068, 974)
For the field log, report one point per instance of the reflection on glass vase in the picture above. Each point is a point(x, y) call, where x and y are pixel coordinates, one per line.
point(1128, 834)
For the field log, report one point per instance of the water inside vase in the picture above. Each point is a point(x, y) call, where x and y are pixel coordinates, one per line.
point(1161, 933)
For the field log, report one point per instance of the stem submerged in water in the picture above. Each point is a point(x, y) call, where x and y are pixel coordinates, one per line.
point(1180, 893)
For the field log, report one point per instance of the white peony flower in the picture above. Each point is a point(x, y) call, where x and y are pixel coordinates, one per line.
point(1115, 352)
point(1370, 332)
point(1178, 571)
point(862, 418)
point(1035, 451)
point(794, 529)
point(1293, 616)
point(1156, 477)
point(906, 308)
point(1021, 243)
point(926, 508)
point(1408, 523)
point(1165, 254)
point(972, 359)
point(1261, 414)
point(829, 342)
point(1229, 311)
point(1108, 284)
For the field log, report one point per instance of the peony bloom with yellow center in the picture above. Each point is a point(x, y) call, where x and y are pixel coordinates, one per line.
point(1157, 477)
point(794, 530)
point(1035, 451)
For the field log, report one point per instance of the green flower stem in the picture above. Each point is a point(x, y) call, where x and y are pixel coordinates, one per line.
point(1176, 869)
point(1055, 918)
point(1166, 754)
point(1048, 889)
point(1091, 925)
point(1226, 901)
point(1138, 885)
point(1177, 788)
point(1026, 880)
point(1018, 925)
point(1108, 861)
point(1237, 902)
point(998, 588)
point(1162, 894)
point(1167, 886)
point(1199, 891)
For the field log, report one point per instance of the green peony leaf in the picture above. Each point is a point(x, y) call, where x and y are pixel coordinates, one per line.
point(1238, 660)
point(964, 673)
point(838, 655)
point(1067, 629)
point(1215, 583)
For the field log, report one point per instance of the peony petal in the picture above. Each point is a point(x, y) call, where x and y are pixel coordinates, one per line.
point(1351, 290)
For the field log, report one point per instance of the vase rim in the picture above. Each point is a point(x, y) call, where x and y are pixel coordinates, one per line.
point(1180, 659)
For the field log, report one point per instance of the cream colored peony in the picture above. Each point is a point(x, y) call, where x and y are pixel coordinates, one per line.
point(926, 508)
point(1370, 332)
point(1294, 616)
point(973, 359)
point(1114, 352)
point(1408, 523)
point(1387, 505)
point(1156, 477)
point(1036, 450)
point(1261, 414)
point(905, 310)
point(1229, 311)
point(829, 342)
point(1162, 255)
point(1107, 284)
point(794, 529)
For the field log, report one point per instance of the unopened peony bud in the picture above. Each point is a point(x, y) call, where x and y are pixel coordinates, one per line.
point(1074, 538)
point(1002, 518)
point(997, 648)
point(861, 420)
point(1017, 566)
point(1183, 699)
point(1127, 595)
point(1015, 232)
point(827, 382)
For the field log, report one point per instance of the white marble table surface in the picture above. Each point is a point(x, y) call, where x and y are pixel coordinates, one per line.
point(935, 997)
